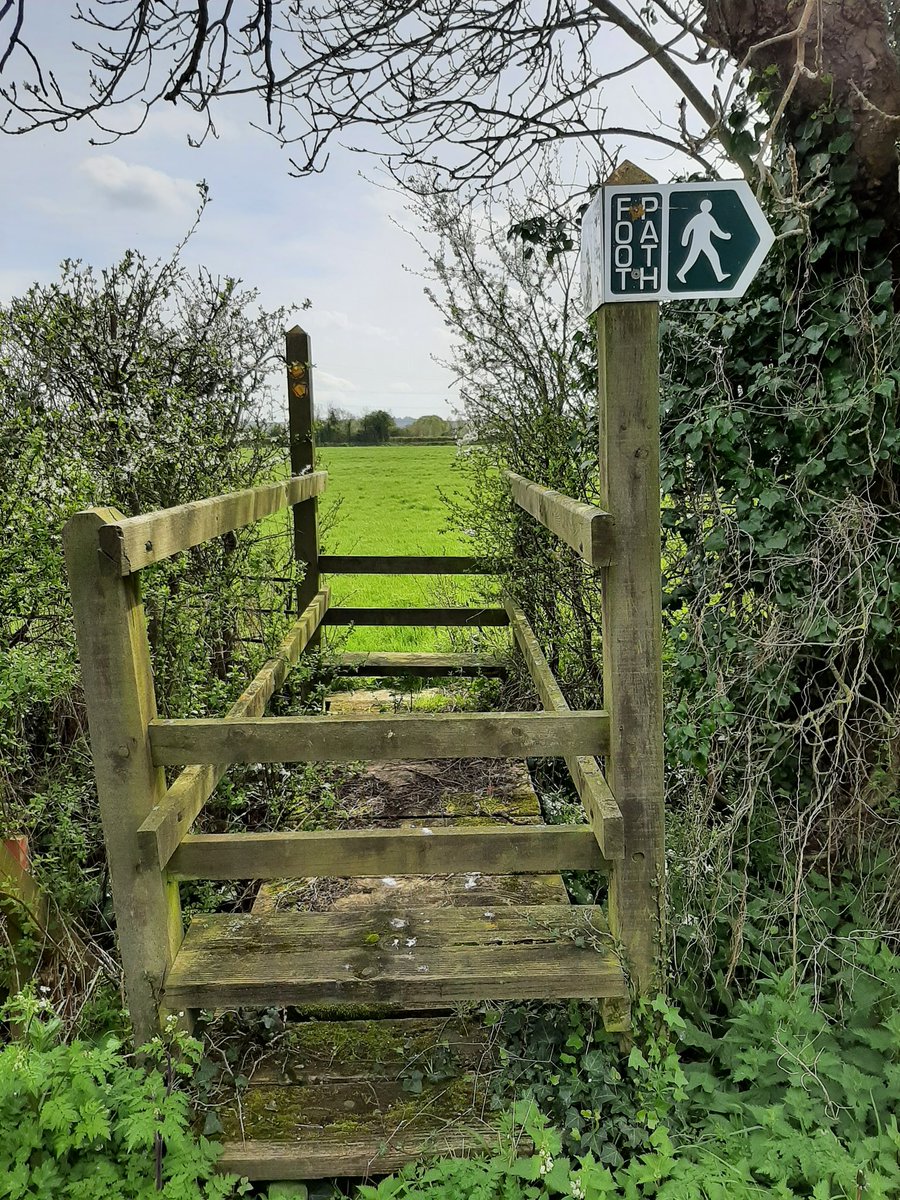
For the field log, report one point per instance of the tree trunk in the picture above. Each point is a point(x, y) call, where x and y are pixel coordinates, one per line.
point(848, 54)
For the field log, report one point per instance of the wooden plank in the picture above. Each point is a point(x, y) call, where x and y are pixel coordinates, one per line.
point(628, 369)
point(376, 666)
point(348, 853)
point(302, 445)
point(588, 530)
point(434, 955)
point(120, 701)
point(388, 738)
point(341, 1154)
point(132, 543)
point(169, 820)
point(599, 803)
point(475, 617)
point(405, 564)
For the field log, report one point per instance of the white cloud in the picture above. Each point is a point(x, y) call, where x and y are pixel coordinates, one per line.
point(131, 185)
point(333, 383)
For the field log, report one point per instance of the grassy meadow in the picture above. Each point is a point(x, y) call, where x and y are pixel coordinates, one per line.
point(387, 499)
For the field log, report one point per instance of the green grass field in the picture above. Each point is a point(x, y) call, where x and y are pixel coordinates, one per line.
point(387, 500)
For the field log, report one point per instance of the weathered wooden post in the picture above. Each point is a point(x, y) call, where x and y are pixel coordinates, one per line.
point(628, 380)
point(301, 432)
point(120, 701)
point(643, 242)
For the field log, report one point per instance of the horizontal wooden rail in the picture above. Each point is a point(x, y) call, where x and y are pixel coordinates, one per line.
point(505, 850)
point(599, 803)
point(167, 822)
point(355, 738)
point(136, 542)
point(475, 617)
point(405, 564)
point(588, 530)
point(382, 665)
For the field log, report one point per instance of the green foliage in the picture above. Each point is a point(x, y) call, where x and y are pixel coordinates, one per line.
point(81, 1121)
point(140, 386)
point(781, 426)
point(784, 1098)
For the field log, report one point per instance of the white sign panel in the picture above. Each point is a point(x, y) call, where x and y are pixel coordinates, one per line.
point(677, 241)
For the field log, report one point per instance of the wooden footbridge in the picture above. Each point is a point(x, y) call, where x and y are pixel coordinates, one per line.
point(462, 954)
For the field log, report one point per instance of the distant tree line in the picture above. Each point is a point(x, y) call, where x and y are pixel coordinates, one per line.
point(377, 428)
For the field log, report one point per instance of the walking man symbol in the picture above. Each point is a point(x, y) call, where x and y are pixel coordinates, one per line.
point(699, 232)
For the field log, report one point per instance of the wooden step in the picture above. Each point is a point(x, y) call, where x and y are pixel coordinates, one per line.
point(406, 956)
point(334, 1098)
point(388, 665)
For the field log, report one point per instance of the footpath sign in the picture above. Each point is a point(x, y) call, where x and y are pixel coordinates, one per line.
point(676, 241)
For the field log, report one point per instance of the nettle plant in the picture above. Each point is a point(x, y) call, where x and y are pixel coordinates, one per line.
point(782, 534)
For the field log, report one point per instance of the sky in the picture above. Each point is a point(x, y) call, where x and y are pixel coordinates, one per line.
point(333, 239)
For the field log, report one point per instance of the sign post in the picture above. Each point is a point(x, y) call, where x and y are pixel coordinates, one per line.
point(643, 242)
point(676, 241)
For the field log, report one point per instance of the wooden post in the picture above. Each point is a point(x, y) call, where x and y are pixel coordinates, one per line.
point(628, 370)
point(120, 700)
point(301, 427)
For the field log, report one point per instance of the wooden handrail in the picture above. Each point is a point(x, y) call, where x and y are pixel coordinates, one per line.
point(600, 805)
point(588, 530)
point(168, 821)
point(136, 542)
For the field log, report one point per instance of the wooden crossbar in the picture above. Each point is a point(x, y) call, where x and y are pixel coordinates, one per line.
point(588, 530)
point(476, 617)
point(599, 803)
point(169, 820)
point(136, 542)
point(381, 665)
point(504, 850)
point(355, 738)
point(405, 564)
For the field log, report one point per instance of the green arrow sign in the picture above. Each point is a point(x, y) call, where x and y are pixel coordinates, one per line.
point(677, 241)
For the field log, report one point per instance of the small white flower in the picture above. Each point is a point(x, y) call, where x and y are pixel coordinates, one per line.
point(577, 1190)
point(546, 1162)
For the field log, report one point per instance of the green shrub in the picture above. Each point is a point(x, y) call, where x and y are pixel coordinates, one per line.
point(82, 1122)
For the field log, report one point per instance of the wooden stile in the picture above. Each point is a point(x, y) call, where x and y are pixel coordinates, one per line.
point(355, 738)
point(599, 803)
point(168, 821)
point(588, 530)
point(131, 543)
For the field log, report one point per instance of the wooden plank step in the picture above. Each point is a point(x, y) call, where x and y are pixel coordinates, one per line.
point(388, 665)
point(406, 956)
point(331, 1098)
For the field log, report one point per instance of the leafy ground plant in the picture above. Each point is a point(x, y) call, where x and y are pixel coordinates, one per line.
point(84, 1121)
